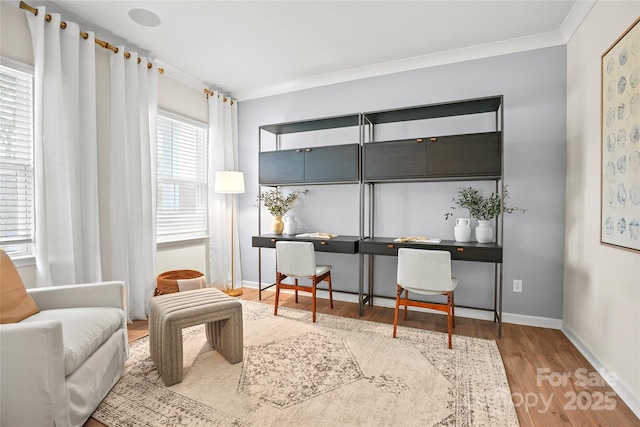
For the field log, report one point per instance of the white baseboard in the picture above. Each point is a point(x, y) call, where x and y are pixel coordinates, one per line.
point(517, 319)
point(623, 392)
point(540, 322)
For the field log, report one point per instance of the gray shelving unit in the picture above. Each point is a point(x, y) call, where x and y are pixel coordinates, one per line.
point(369, 163)
point(457, 157)
point(325, 165)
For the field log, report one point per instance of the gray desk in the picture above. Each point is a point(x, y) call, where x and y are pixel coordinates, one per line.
point(338, 245)
point(470, 251)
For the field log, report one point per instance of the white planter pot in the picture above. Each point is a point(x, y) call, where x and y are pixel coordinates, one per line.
point(290, 225)
point(462, 230)
point(484, 231)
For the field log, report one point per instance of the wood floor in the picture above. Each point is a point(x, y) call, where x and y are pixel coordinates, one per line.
point(552, 384)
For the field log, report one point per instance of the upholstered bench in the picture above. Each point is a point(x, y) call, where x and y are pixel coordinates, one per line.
point(169, 314)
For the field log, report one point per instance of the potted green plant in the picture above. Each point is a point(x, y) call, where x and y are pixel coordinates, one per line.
point(278, 205)
point(483, 209)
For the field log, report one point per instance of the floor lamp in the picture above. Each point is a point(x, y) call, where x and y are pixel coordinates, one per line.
point(230, 182)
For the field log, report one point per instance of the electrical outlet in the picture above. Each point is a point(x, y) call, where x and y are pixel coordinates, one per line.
point(517, 285)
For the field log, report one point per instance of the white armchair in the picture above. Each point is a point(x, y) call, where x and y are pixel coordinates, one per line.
point(56, 366)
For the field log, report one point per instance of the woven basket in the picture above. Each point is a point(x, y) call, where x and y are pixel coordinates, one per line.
point(167, 282)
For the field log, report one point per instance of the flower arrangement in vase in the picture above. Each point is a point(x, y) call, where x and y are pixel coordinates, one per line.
point(278, 205)
point(483, 209)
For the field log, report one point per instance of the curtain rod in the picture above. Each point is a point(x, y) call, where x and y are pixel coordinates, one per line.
point(103, 44)
point(85, 36)
point(211, 93)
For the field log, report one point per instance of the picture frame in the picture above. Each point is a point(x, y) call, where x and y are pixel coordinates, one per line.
point(620, 142)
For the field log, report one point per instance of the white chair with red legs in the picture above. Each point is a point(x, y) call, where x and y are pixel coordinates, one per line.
point(425, 272)
point(298, 261)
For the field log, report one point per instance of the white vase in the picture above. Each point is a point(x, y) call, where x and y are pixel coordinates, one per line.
point(462, 230)
point(290, 225)
point(484, 231)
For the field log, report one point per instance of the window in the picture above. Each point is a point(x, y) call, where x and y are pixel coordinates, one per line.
point(182, 178)
point(16, 161)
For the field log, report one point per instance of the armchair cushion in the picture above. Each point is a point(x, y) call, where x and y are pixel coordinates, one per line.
point(83, 330)
point(15, 303)
point(59, 364)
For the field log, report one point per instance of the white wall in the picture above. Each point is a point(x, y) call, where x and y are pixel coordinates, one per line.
point(601, 284)
point(173, 96)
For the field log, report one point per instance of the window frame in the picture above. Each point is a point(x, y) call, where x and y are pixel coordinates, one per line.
point(25, 255)
point(170, 239)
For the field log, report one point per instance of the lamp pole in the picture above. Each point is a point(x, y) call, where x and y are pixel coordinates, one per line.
point(231, 182)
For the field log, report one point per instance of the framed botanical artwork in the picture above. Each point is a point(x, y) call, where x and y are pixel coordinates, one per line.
point(620, 139)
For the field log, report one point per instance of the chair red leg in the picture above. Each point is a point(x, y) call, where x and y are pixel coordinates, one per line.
point(275, 307)
point(395, 316)
point(296, 282)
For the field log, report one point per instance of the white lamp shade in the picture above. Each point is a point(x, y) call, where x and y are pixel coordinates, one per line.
point(229, 182)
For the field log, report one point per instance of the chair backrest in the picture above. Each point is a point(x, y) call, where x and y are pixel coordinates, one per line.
point(295, 258)
point(424, 269)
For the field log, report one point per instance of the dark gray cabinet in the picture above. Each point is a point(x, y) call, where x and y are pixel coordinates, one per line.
point(473, 155)
point(332, 164)
point(336, 163)
point(395, 159)
point(284, 166)
point(454, 156)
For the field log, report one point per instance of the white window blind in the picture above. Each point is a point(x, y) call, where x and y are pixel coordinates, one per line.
point(182, 179)
point(16, 161)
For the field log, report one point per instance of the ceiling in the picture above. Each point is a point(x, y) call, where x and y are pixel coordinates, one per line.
point(251, 49)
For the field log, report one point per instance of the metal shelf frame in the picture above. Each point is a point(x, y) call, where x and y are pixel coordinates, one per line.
point(366, 123)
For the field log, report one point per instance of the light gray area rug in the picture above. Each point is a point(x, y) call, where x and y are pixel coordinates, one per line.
point(337, 372)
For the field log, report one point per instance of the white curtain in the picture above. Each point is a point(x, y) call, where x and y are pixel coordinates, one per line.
point(223, 156)
point(67, 234)
point(133, 178)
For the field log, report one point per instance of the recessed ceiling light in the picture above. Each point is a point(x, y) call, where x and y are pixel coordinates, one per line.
point(144, 17)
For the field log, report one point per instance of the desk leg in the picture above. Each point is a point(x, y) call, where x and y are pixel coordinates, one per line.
point(371, 266)
point(500, 301)
point(361, 283)
point(495, 292)
point(497, 297)
point(259, 274)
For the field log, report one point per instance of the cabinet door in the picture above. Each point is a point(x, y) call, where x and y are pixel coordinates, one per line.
point(332, 163)
point(395, 159)
point(281, 167)
point(477, 154)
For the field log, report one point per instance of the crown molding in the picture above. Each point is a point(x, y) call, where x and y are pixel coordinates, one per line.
point(539, 41)
point(182, 76)
point(576, 15)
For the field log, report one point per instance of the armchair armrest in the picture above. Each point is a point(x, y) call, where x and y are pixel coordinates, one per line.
point(101, 294)
point(32, 382)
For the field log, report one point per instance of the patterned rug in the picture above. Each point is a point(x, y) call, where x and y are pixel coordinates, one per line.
point(337, 372)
